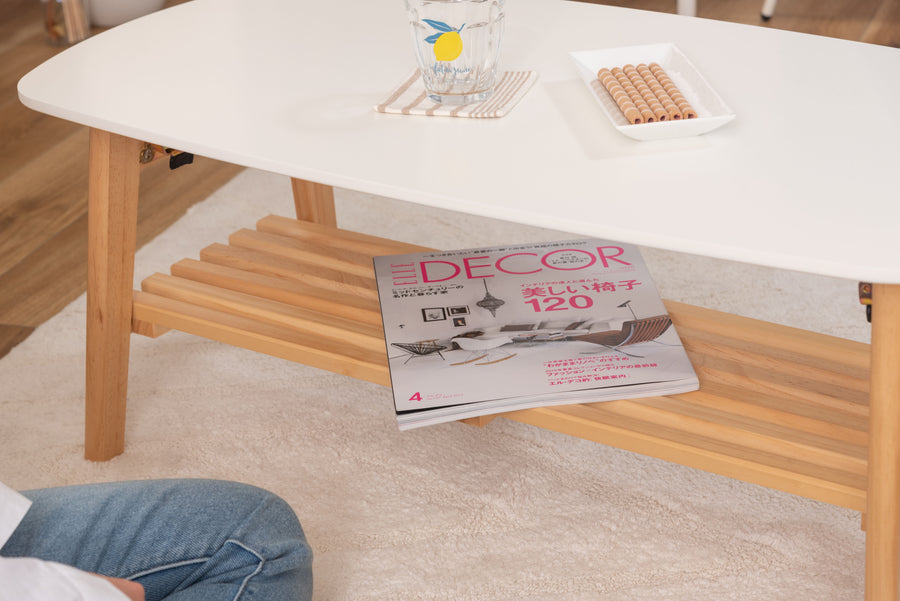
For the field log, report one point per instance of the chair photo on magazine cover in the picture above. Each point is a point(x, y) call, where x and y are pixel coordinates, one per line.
point(483, 348)
point(633, 332)
point(422, 348)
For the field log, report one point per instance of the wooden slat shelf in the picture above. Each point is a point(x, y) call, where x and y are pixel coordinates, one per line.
point(777, 406)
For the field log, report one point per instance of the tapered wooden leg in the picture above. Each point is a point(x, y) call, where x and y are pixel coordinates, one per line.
point(883, 500)
point(314, 202)
point(112, 227)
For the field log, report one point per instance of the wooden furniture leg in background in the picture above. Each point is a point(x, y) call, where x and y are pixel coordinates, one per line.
point(314, 202)
point(112, 224)
point(883, 499)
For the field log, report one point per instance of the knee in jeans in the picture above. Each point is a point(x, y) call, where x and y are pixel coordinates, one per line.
point(280, 528)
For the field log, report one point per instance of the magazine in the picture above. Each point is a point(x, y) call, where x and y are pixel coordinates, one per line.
point(489, 330)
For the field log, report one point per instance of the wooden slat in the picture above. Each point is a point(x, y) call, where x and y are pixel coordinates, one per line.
point(726, 436)
point(264, 263)
point(788, 398)
point(333, 257)
point(146, 328)
point(832, 424)
point(339, 333)
point(766, 365)
point(843, 354)
point(711, 445)
point(782, 473)
point(292, 292)
point(261, 337)
point(754, 433)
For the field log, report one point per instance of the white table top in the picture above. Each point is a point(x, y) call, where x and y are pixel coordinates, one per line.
point(802, 179)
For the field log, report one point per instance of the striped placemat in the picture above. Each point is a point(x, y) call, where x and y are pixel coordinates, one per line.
point(410, 98)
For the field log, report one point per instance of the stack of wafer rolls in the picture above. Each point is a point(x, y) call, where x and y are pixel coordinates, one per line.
point(645, 93)
point(626, 100)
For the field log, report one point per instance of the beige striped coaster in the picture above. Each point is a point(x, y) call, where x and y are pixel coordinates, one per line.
point(410, 98)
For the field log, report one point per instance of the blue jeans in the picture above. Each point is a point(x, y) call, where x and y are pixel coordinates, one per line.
point(184, 540)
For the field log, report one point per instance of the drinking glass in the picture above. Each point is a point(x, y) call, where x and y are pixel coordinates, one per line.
point(457, 45)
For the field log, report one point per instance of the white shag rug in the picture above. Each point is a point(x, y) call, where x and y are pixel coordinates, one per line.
point(450, 512)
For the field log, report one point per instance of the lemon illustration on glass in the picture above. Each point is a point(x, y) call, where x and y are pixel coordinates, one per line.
point(448, 43)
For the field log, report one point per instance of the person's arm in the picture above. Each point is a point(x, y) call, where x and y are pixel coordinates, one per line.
point(133, 590)
point(30, 579)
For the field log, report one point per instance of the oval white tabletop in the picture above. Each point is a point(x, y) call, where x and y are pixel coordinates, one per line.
point(802, 178)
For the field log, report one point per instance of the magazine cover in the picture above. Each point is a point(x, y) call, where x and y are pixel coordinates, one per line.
point(487, 330)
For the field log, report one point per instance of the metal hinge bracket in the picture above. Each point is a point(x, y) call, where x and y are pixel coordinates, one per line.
point(150, 152)
point(865, 298)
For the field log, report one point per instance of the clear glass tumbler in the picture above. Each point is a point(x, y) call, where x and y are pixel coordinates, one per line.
point(457, 44)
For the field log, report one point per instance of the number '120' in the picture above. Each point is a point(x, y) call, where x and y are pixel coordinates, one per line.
point(557, 303)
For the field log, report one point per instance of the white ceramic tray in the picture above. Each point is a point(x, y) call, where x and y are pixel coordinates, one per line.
point(712, 112)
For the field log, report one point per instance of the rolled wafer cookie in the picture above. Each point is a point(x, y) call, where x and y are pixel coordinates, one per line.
point(660, 92)
point(628, 108)
point(646, 93)
point(673, 91)
point(646, 113)
point(683, 105)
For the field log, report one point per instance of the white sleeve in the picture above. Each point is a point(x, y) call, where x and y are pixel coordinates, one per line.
point(28, 579)
point(13, 507)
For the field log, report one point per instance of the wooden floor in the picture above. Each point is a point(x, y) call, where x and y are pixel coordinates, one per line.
point(43, 160)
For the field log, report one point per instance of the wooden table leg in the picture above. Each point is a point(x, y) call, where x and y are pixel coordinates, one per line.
point(314, 202)
point(112, 229)
point(883, 497)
